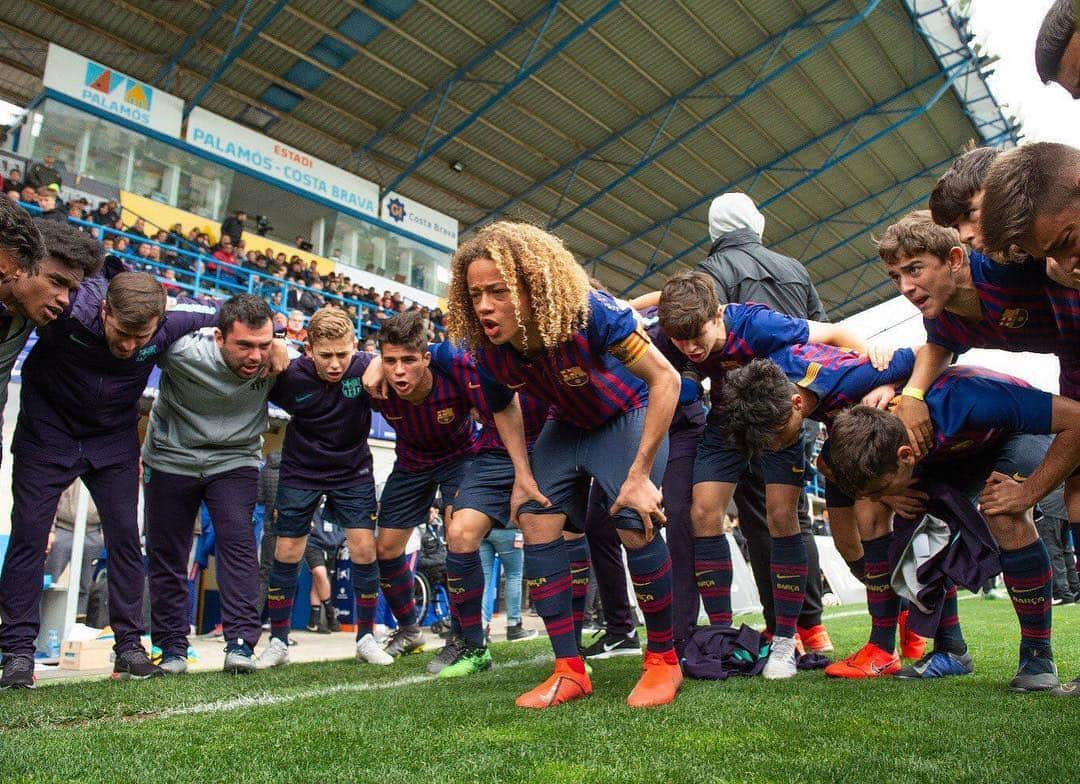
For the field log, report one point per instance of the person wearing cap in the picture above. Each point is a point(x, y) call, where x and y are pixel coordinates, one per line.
point(746, 271)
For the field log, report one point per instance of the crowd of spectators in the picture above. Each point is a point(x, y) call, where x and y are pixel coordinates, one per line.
point(180, 258)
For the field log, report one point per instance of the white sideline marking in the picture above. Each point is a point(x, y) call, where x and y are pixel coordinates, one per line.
point(263, 700)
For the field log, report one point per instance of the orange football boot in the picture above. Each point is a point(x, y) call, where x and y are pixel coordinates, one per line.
point(659, 682)
point(912, 646)
point(564, 685)
point(815, 639)
point(870, 661)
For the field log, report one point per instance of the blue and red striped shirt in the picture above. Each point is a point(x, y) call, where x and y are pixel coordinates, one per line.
point(459, 364)
point(973, 408)
point(1022, 310)
point(839, 377)
point(585, 380)
point(434, 431)
point(753, 332)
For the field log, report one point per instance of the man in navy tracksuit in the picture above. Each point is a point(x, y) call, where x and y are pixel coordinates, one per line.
point(79, 413)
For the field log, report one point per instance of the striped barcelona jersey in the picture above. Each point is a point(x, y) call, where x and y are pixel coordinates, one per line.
point(972, 408)
point(1022, 310)
point(459, 365)
point(753, 331)
point(434, 431)
point(585, 380)
point(839, 377)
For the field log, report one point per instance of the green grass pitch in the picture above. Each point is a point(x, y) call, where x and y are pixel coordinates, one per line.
point(337, 721)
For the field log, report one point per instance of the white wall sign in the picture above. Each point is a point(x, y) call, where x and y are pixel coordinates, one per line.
point(414, 217)
point(112, 91)
point(250, 149)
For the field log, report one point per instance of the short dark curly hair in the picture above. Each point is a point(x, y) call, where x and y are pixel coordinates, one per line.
point(19, 236)
point(756, 405)
point(70, 247)
point(951, 197)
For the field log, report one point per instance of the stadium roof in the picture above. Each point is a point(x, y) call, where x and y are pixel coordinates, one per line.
point(614, 123)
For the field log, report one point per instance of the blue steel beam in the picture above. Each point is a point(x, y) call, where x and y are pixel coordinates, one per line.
point(834, 158)
point(661, 114)
point(234, 52)
point(758, 84)
point(165, 76)
point(442, 90)
point(524, 72)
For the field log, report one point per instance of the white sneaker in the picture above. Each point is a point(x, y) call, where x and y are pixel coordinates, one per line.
point(274, 655)
point(368, 650)
point(781, 663)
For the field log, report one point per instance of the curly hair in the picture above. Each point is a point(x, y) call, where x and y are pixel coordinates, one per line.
point(19, 236)
point(70, 247)
point(530, 259)
point(757, 405)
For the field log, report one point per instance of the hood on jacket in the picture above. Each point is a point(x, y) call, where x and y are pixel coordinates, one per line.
point(734, 211)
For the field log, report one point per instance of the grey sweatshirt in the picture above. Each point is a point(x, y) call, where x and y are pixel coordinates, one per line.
point(206, 419)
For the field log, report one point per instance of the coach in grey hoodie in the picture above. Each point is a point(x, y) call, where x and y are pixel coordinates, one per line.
point(204, 444)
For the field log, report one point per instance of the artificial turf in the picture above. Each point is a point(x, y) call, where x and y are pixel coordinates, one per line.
point(338, 721)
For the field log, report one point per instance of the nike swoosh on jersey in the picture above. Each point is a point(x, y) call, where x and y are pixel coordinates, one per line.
point(393, 418)
point(302, 398)
point(473, 386)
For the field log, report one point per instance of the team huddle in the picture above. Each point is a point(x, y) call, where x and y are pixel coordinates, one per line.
point(573, 391)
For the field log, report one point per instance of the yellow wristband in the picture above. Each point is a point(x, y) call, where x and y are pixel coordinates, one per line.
point(914, 392)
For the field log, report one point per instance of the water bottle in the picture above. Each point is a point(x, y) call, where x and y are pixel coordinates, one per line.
point(53, 644)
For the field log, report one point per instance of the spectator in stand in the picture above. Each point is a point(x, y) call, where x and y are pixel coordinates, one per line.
point(336, 256)
point(13, 195)
point(294, 329)
point(202, 244)
point(169, 283)
point(312, 298)
point(108, 244)
point(311, 274)
point(233, 226)
point(14, 179)
point(28, 195)
point(294, 292)
point(161, 237)
point(370, 347)
point(138, 229)
point(120, 243)
point(224, 253)
point(301, 242)
point(46, 199)
point(45, 173)
point(281, 322)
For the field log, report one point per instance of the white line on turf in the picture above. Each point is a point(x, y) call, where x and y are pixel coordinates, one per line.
point(264, 700)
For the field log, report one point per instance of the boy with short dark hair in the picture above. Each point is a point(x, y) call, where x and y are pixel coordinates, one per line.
point(429, 410)
point(987, 435)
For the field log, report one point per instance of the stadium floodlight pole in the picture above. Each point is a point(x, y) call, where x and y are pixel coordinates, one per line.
point(165, 76)
point(526, 70)
point(233, 53)
point(444, 87)
point(835, 157)
point(663, 113)
point(736, 100)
